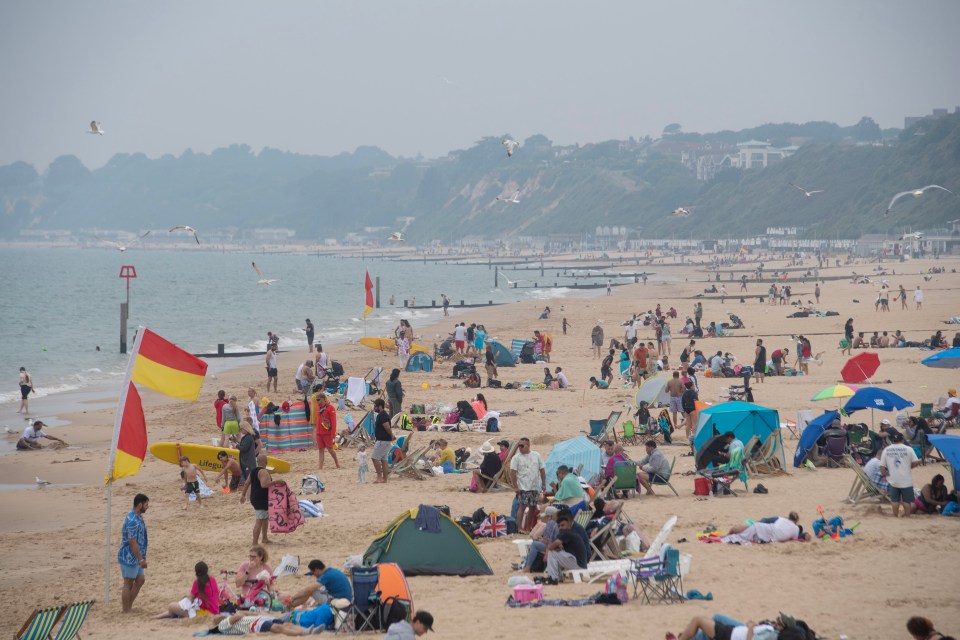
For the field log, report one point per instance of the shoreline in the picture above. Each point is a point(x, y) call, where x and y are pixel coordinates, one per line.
point(72, 541)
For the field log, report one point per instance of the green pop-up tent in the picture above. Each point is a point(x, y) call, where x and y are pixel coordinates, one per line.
point(448, 552)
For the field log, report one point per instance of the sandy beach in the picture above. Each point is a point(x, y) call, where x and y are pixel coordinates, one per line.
point(865, 586)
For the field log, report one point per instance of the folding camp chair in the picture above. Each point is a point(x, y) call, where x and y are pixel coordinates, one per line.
point(363, 614)
point(863, 487)
point(629, 435)
point(729, 471)
point(656, 579)
point(601, 430)
point(655, 479)
point(835, 449)
point(73, 618)
point(624, 478)
point(40, 624)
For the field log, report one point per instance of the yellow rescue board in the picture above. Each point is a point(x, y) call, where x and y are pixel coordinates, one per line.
point(205, 456)
point(388, 344)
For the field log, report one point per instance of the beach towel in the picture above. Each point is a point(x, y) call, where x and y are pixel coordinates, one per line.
point(356, 390)
point(284, 509)
point(293, 432)
point(205, 491)
point(312, 509)
point(428, 519)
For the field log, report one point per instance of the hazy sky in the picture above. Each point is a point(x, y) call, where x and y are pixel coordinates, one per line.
point(414, 77)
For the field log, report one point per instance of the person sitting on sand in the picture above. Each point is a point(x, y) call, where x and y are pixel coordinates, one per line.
point(561, 378)
point(547, 377)
point(466, 411)
point(773, 529)
point(598, 384)
point(30, 440)
point(934, 496)
point(204, 596)
point(443, 456)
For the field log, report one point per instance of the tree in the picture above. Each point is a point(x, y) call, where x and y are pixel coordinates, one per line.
point(866, 130)
point(672, 129)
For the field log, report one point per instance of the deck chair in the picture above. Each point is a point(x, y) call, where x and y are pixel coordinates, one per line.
point(363, 613)
point(624, 478)
point(863, 488)
point(601, 430)
point(356, 435)
point(655, 479)
point(583, 517)
point(629, 435)
point(408, 466)
point(603, 540)
point(40, 624)
point(730, 471)
point(73, 618)
point(502, 477)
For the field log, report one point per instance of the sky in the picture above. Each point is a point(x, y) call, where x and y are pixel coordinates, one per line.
point(427, 77)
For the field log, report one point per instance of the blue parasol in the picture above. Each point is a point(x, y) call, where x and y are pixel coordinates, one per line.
point(946, 359)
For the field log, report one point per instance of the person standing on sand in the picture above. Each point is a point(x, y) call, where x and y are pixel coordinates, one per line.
point(596, 338)
point(917, 297)
point(257, 486)
point(383, 436)
point(309, 330)
point(675, 389)
point(271, 361)
point(567, 324)
point(132, 555)
point(394, 390)
point(326, 426)
point(253, 409)
point(490, 364)
point(26, 388)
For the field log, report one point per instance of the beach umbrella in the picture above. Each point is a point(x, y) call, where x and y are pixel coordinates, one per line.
point(860, 367)
point(949, 446)
point(875, 398)
point(836, 391)
point(946, 359)
point(811, 433)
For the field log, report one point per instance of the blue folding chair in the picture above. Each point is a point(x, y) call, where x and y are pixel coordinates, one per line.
point(363, 613)
point(40, 624)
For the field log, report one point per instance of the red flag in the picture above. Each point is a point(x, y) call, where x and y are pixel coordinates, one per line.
point(132, 441)
point(369, 300)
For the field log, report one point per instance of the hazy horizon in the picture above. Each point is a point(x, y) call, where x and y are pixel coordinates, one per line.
point(430, 77)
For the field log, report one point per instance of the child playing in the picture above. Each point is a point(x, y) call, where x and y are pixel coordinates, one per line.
point(231, 467)
point(191, 484)
point(362, 468)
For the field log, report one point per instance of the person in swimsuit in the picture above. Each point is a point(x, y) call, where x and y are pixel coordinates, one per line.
point(191, 483)
point(26, 387)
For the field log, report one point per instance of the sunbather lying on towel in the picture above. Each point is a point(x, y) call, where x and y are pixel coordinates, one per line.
point(721, 627)
point(241, 623)
point(775, 529)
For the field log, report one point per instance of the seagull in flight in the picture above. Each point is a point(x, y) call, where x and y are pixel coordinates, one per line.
point(510, 145)
point(917, 235)
point(120, 246)
point(515, 198)
point(680, 211)
point(186, 228)
point(916, 193)
point(95, 128)
point(805, 192)
point(512, 282)
point(42, 483)
point(262, 280)
point(396, 236)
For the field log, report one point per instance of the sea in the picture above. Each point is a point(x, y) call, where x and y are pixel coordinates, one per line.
point(60, 308)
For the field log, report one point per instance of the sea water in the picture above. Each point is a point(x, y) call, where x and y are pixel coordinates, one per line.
point(59, 305)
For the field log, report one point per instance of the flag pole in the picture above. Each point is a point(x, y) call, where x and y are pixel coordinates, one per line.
point(121, 405)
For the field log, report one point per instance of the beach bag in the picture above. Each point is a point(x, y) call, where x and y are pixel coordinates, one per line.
point(493, 384)
point(701, 486)
point(452, 418)
point(311, 484)
point(336, 368)
point(493, 526)
point(493, 425)
point(617, 586)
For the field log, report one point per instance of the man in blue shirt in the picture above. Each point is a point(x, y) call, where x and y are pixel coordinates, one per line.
point(132, 554)
point(333, 584)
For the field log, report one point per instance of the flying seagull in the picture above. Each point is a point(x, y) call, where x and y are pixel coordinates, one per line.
point(515, 198)
point(186, 228)
point(510, 145)
point(916, 193)
point(680, 211)
point(42, 483)
point(512, 282)
point(917, 235)
point(262, 280)
point(120, 246)
point(396, 236)
point(805, 192)
point(95, 128)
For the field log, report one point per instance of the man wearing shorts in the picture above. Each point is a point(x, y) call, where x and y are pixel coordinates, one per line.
point(257, 486)
point(529, 476)
point(271, 366)
point(232, 468)
point(326, 427)
point(675, 389)
point(460, 338)
point(383, 434)
point(132, 554)
point(896, 467)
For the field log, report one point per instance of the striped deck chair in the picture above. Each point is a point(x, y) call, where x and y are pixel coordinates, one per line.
point(766, 460)
point(40, 624)
point(502, 477)
point(408, 466)
point(863, 487)
point(73, 618)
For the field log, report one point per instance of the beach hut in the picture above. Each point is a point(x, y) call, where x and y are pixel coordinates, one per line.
point(441, 548)
point(420, 362)
point(744, 419)
point(573, 453)
point(502, 355)
point(293, 432)
point(654, 392)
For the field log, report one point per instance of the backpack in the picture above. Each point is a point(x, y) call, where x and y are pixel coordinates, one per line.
point(311, 484)
point(336, 368)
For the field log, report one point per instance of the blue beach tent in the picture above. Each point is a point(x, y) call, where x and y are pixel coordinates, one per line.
point(744, 419)
point(420, 362)
point(502, 355)
point(949, 446)
point(573, 453)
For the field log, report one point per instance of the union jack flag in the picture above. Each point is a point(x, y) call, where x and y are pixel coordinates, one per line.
point(493, 526)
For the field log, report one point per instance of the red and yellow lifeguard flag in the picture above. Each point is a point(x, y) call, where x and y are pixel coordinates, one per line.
point(165, 367)
point(368, 285)
point(132, 442)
